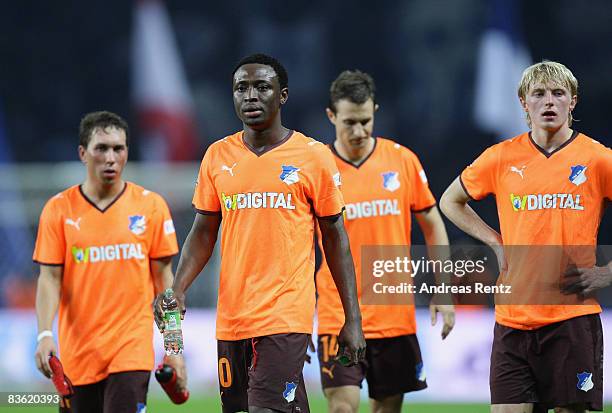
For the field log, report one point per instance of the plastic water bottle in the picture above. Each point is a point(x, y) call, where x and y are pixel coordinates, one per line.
point(173, 333)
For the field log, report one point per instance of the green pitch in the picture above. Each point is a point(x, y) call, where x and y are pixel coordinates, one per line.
point(317, 405)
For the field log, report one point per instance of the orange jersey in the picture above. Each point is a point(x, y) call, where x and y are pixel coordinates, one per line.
point(105, 317)
point(268, 205)
point(544, 199)
point(380, 195)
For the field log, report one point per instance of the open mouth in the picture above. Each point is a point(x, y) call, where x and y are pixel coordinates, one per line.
point(549, 113)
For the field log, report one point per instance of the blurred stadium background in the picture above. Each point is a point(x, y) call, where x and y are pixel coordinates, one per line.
point(446, 73)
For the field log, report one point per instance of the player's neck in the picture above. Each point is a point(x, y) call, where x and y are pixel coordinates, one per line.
point(261, 140)
point(102, 194)
point(551, 140)
point(357, 155)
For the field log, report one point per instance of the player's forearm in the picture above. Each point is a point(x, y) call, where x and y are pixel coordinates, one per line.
point(196, 252)
point(434, 232)
point(439, 250)
point(433, 228)
point(162, 274)
point(338, 256)
point(462, 215)
point(47, 300)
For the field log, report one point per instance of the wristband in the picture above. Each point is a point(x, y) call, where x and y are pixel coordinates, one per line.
point(43, 334)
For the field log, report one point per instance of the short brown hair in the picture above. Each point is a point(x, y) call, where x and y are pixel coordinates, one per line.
point(101, 120)
point(353, 85)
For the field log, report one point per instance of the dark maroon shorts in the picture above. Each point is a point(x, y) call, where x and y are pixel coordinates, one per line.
point(124, 392)
point(554, 366)
point(392, 366)
point(263, 372)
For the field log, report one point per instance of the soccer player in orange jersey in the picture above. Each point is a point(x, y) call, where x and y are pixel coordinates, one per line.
point(550, 185)
point(383, 184)
point(104, 248)
point(269, 185)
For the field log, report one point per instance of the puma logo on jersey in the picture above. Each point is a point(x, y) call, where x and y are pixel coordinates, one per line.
point(229, 169)
point(76, 224)
point(329, 371)
point(518, 171)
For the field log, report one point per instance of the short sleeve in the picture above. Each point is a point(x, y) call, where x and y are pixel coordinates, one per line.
point(164, 242)
point(205, 199)
point(478, 179)
point(605, 174)
point(324, 189)
point(50, 248)
point(421, 198)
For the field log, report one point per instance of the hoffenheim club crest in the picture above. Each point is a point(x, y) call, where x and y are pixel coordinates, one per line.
point(289, 393)
point(391, 181)
point(289, 174)
point(137, 224)
point(578, 174)
point(585, 381)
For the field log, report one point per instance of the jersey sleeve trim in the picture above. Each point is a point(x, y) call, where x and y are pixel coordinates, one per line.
point(205, 212)
point(465, 189)
point(49, 263)
point(164, 256)
point(333, 216)
point(424, 209)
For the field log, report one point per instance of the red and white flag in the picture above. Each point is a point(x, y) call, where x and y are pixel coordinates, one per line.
point(160, 91)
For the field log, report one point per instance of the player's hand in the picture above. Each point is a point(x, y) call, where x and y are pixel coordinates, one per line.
point(311, 348)
point(46, 346)
point(178, 363)
point(351, 342)
point(159, 308)
point(180, 299)
point(158, 312)
point(585, 281)
point(501, 258)
point(448, 316)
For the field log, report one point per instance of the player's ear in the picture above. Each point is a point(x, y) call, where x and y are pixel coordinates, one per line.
point(523, 104)
point(573, 103)
point(82, 151)
point(284, 95)
point(331, 116)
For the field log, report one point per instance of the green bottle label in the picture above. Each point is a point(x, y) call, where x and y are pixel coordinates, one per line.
point(172, 320)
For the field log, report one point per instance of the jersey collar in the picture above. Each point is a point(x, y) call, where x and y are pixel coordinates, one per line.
point(549, 154)
point(357, 165)
point(269, 148)
point(109, 205)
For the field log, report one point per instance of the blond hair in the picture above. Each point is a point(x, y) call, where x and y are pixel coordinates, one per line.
point(547, 72)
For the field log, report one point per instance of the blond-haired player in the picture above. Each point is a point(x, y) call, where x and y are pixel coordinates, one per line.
point(543, 356)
